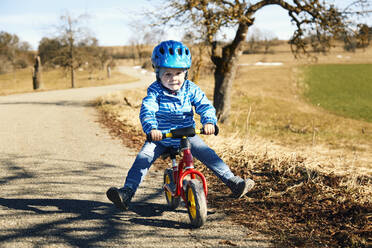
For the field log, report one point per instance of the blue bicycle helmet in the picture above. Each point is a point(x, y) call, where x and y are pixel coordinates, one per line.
point(171, 54)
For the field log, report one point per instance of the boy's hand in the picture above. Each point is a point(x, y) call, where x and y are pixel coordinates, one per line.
point(156, 135)
point(208, 129)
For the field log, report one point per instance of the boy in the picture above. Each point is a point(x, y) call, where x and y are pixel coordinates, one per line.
point(169, 105)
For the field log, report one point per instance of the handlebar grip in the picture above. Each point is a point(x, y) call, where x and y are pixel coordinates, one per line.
point(170, 135)
point(149, 138)
point(216, 130)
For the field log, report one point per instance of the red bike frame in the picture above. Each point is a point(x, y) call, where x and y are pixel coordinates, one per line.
point(186, 165)
point(185, 168)
point(196, 202)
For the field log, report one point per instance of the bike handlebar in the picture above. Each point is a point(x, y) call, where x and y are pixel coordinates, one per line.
point(183, 132)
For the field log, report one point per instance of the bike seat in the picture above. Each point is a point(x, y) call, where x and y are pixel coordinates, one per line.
point(171, 152)
point(183, 132)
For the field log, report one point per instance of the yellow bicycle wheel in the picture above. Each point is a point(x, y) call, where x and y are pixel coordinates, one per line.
point(173, 202)
point(196, 203)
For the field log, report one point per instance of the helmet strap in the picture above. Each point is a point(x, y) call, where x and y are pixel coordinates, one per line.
point(157, 73)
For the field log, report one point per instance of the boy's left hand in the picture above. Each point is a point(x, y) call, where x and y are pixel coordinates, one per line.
point(208, 129)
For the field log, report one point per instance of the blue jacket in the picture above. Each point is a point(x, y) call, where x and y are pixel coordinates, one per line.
point(164, 111)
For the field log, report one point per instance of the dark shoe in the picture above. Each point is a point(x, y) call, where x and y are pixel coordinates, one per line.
point(240, 187)
point(120, 197)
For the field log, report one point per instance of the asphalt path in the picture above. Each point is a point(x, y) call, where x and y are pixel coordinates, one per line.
point(56, 163)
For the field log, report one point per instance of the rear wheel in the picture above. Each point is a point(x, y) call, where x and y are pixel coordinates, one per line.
point(196, 203)
point(173, 202)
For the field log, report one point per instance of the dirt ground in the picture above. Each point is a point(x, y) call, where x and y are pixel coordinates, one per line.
point(57, 163)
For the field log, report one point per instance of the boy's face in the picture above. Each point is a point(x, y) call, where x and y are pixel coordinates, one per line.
point(173, 78)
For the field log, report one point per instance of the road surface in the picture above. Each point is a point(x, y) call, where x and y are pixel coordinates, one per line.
point(57, 162)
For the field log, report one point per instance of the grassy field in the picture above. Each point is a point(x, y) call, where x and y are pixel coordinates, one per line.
point(269, 104)
point(342, 89)
point(20, 81)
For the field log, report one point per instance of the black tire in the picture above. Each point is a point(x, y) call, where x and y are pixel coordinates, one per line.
point(196, 203)
point(173, 202)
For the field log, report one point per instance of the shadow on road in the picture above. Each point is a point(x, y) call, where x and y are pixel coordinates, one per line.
point(21, 167)
point(101, 221)
point(57, 103)
point(26, 216)
point(81, 223)
point(160, 223)
point(147, 210)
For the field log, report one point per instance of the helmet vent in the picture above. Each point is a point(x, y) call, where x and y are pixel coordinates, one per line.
point(187, 51)
point(161, 50)
point(179, 50)
point(171, 51)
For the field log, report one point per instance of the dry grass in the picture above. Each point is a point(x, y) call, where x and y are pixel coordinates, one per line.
point(20, 81)
point(270, 105)
point(294, 200)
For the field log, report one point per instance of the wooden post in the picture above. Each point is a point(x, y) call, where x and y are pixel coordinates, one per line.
point(72, 71)
point(36, 77)
point(108, 71)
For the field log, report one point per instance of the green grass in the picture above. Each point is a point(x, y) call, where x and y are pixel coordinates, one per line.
point(342, 89)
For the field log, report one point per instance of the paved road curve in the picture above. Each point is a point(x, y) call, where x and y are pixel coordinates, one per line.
point(56, 163)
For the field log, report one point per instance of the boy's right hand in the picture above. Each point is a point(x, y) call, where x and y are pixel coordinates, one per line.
point(156, 135)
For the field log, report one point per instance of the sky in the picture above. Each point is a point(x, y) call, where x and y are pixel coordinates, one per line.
point(109, 20)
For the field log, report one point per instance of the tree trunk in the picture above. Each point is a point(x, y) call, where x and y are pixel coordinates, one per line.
point(197, 64)
point(224, 74)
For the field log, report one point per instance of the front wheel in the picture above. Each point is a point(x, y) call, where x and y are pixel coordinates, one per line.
point(173, 202)
point(196, 203)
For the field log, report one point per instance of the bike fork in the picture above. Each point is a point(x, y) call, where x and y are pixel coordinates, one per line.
point(175, 169)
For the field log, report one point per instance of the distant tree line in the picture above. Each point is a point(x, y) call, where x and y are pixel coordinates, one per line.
point(260, 42)
point(14, 53)
point(55, 52)
point(361, 39)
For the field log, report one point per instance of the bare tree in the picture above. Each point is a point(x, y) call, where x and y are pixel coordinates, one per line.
point(140, 41)
point(268, 41)
point(309, 16)
point(72, 34)
point(199, 50)
point(254, 41)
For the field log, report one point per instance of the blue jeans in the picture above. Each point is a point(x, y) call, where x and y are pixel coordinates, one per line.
point(151, 151)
